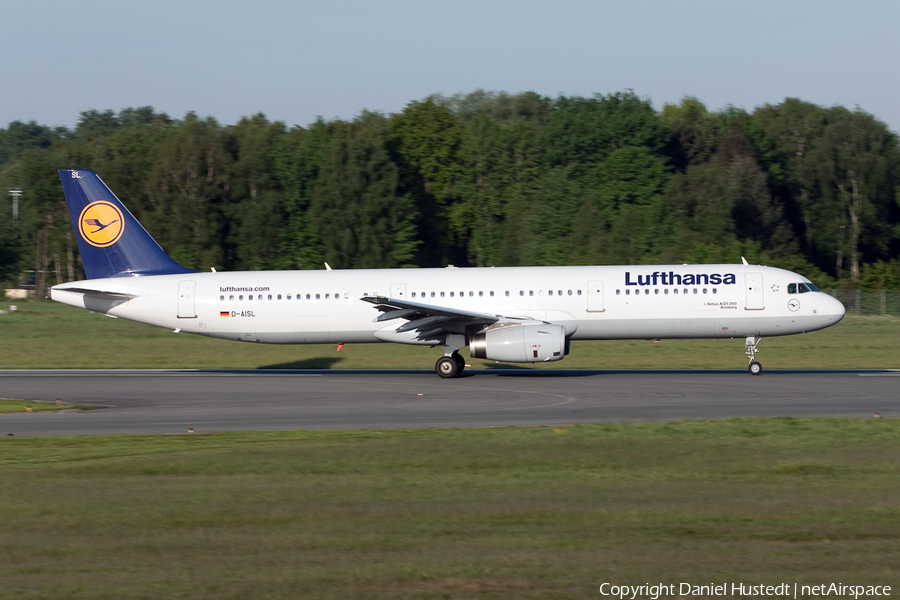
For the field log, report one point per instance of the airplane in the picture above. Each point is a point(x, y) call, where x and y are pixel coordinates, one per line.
point(505, 314)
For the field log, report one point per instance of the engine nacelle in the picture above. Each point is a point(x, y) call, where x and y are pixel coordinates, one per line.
point(520, 342)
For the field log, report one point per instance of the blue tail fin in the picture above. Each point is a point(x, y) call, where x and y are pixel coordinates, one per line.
point(111, 241)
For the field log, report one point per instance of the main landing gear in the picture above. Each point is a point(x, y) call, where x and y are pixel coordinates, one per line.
point(451, 364)
point(750, 345)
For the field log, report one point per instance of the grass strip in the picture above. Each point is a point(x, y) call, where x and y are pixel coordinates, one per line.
point(546, 512)
point(14, 406)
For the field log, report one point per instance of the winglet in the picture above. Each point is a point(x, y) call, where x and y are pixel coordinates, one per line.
point(111, 241)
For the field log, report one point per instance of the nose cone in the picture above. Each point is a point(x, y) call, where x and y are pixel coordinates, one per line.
point(835, 309)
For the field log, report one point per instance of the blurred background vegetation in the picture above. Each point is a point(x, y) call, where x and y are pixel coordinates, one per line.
point(478, 179)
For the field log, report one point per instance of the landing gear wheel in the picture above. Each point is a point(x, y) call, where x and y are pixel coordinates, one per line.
point(447, 367)
point(460, 362)
point(755, 368)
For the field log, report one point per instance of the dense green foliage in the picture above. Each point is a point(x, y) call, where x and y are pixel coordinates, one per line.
point(480, 179)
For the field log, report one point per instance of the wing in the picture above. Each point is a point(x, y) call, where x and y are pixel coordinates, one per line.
point(427, 320)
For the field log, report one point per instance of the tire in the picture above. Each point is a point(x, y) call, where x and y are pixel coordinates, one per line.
point(446, 367)
point(755, 368)
point(460, 362)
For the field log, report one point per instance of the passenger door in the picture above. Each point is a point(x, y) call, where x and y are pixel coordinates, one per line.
point(186, 293)
point(753, 284)
point(595, 296)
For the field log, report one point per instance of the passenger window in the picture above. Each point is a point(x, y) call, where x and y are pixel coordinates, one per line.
point(550, 292)
point(627, 292)
point(279, 297)
point(250, 297)
point(307, 296)
point(685, 291)
point(570, 292)
point(675, 291)
point(507, 292)
point(618, 292)
point(492, 293)
point(259, 297)
point(231, 297)
point(646, 292)
point(714, 290)
point(442, 294)
point(432, 294)
point(666, 291)
point(656, 291)
point(317, 296)
point(579, 292)
point(531, 292)
point(695, 290)
point(521, 292)
point(270, 296)
point(480, 294)
point(704, 290)
point(471, 294)
point(413, 294)
point(462, 294)
point(241, 297)
point(792, 288)
point(451, 294)
point(327, 296)
point(288, 296)
point(221, 298)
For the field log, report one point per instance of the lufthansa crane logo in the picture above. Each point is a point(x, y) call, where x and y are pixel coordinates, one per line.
point(101, 224)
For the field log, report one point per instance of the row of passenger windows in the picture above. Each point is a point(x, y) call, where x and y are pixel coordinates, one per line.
point(337, 296)
point(665, 291)
point(240, 297)
point(491, 293)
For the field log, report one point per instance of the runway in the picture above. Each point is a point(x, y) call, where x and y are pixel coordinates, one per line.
point(170, 402)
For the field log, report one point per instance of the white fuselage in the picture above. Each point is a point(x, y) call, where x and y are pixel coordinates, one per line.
point(592, 303)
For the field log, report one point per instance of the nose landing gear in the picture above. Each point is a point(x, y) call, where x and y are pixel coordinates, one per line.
point(750, 344)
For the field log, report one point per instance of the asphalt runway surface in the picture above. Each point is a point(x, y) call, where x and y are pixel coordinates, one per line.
point(171, 402)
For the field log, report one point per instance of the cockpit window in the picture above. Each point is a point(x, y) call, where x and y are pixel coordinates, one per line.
point(801, 288)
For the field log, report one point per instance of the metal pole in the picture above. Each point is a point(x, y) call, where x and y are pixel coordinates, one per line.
point(15, 193)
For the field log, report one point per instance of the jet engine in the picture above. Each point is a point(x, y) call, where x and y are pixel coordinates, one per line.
point(520, 342)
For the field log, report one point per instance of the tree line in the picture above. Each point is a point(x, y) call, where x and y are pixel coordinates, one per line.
point(478, 179)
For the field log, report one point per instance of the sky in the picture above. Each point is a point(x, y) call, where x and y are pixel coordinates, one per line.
point(296, 60)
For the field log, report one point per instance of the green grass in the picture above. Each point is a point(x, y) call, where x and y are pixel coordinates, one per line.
point(12, 406)
point(46, 335)
point(484, 513)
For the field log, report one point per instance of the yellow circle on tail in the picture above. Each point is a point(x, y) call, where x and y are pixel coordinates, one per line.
point(101, 224)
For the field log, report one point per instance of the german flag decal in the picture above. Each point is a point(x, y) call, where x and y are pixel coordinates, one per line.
point(224, 313)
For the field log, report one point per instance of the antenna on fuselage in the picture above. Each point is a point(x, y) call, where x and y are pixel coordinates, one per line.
point(744, 261)
point(327, 267)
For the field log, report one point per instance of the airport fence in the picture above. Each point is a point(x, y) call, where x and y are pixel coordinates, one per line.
point(869, 302)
